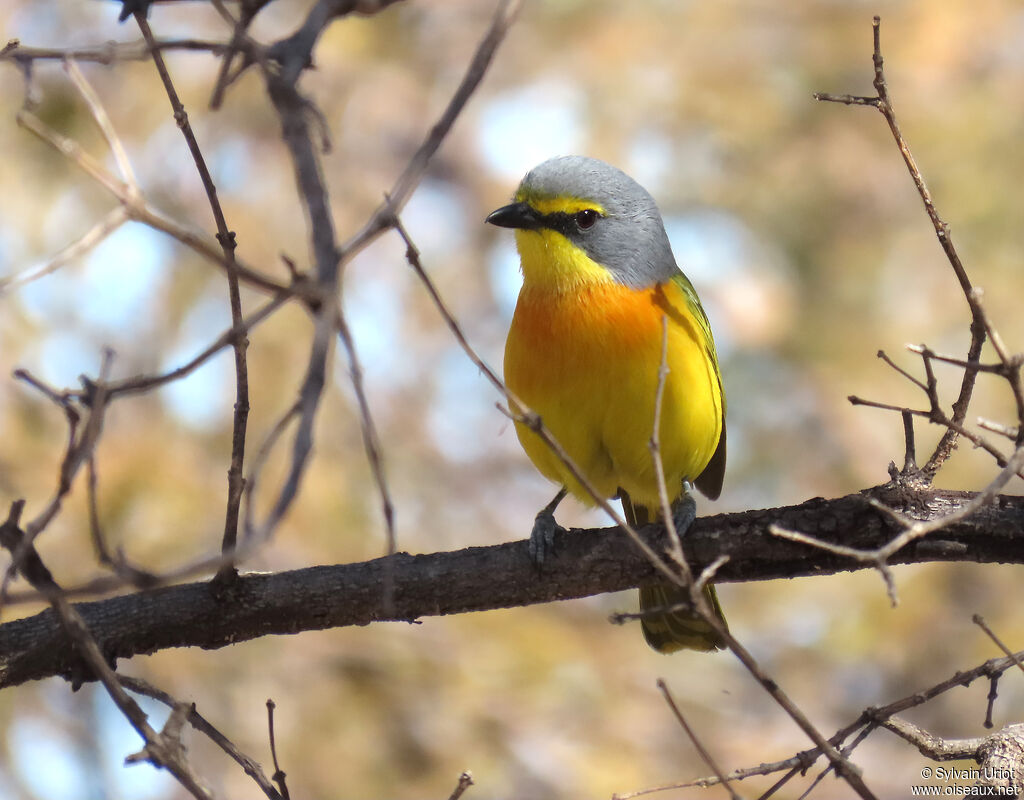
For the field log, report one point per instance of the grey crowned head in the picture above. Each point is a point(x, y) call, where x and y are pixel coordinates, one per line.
point(628, 238)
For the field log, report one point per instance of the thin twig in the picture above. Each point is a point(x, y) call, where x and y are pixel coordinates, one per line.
point(251, 767)
point(77, 249)
point(304, 411)
point(139, 578)
point(279, 775)
point(519, 412)
point(980, 366)
point(706, 756)
point(102, 120)
point(163, 749)
point(938, 418)
point(238, 35)
point(654, 446)
point(883, 103)
point(885, 357)
point(256, 465)
point(109, 53)
point(843, 767)
point(912, 529)
point(931, 746)
point(504, 16)
point(144, 383)
point(140, 211)
point(979, 620)
point(371, 438)
point(81, 443)
point(869, 719)
point(1009, 431)
point(465, 781)
point(993, 695)
point(226, 239)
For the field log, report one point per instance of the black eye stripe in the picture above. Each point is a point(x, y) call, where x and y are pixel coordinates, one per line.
point(568, 224)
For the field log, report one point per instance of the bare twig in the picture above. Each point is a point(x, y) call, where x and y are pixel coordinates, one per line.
point(109, 53)
point(706, 756)
point(654, 446)
point(465, 781)
point(938, 418)
point(1009, 431)
point(934, 747)
point(144, 383)
point(927, 352)
point(86, 242)
point(102, 120)
point(292, 108)
point(869, 720)
point(912, 529)
point(81, 443)
point(882, 101)
point(256, 465)
point(843, 767)
point(521, 413)
point(279, 775)
point(371, 438)
point(226, 238)
point(163, 749)
point(134, 575)
point(200, 723)
point(239, 35)
point(979, 620)
point(139, 211)
point(304, 410)
point(400, 192)
point(885, 357)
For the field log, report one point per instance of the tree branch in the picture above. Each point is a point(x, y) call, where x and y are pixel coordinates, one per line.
point(584, 563)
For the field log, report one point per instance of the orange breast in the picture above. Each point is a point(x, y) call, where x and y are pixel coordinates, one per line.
point(587, 361)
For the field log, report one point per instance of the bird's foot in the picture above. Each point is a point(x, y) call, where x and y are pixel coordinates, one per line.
point(684, 512)
point(542, 537)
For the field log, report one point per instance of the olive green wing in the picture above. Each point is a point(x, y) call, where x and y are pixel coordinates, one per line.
point(710, 480)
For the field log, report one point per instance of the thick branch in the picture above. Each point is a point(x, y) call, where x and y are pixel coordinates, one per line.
point(501, 576)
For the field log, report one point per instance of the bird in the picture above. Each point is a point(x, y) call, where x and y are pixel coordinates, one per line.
point(601, 295)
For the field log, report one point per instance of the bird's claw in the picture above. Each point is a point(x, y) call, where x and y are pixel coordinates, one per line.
point(542, 537)
point(684, 512)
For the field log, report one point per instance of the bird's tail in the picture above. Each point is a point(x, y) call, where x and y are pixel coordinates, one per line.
point(682, 629)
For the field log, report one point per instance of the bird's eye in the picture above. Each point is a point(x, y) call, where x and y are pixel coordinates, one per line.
point(586, 218)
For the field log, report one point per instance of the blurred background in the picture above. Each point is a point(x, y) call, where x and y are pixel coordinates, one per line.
point(798, 224)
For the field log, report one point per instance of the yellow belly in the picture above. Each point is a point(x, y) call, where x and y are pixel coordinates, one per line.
point(587, 360)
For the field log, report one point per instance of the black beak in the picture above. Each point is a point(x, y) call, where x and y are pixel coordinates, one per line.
point(516, 215)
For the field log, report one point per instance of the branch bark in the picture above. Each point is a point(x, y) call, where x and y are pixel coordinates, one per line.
point(585, 562)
